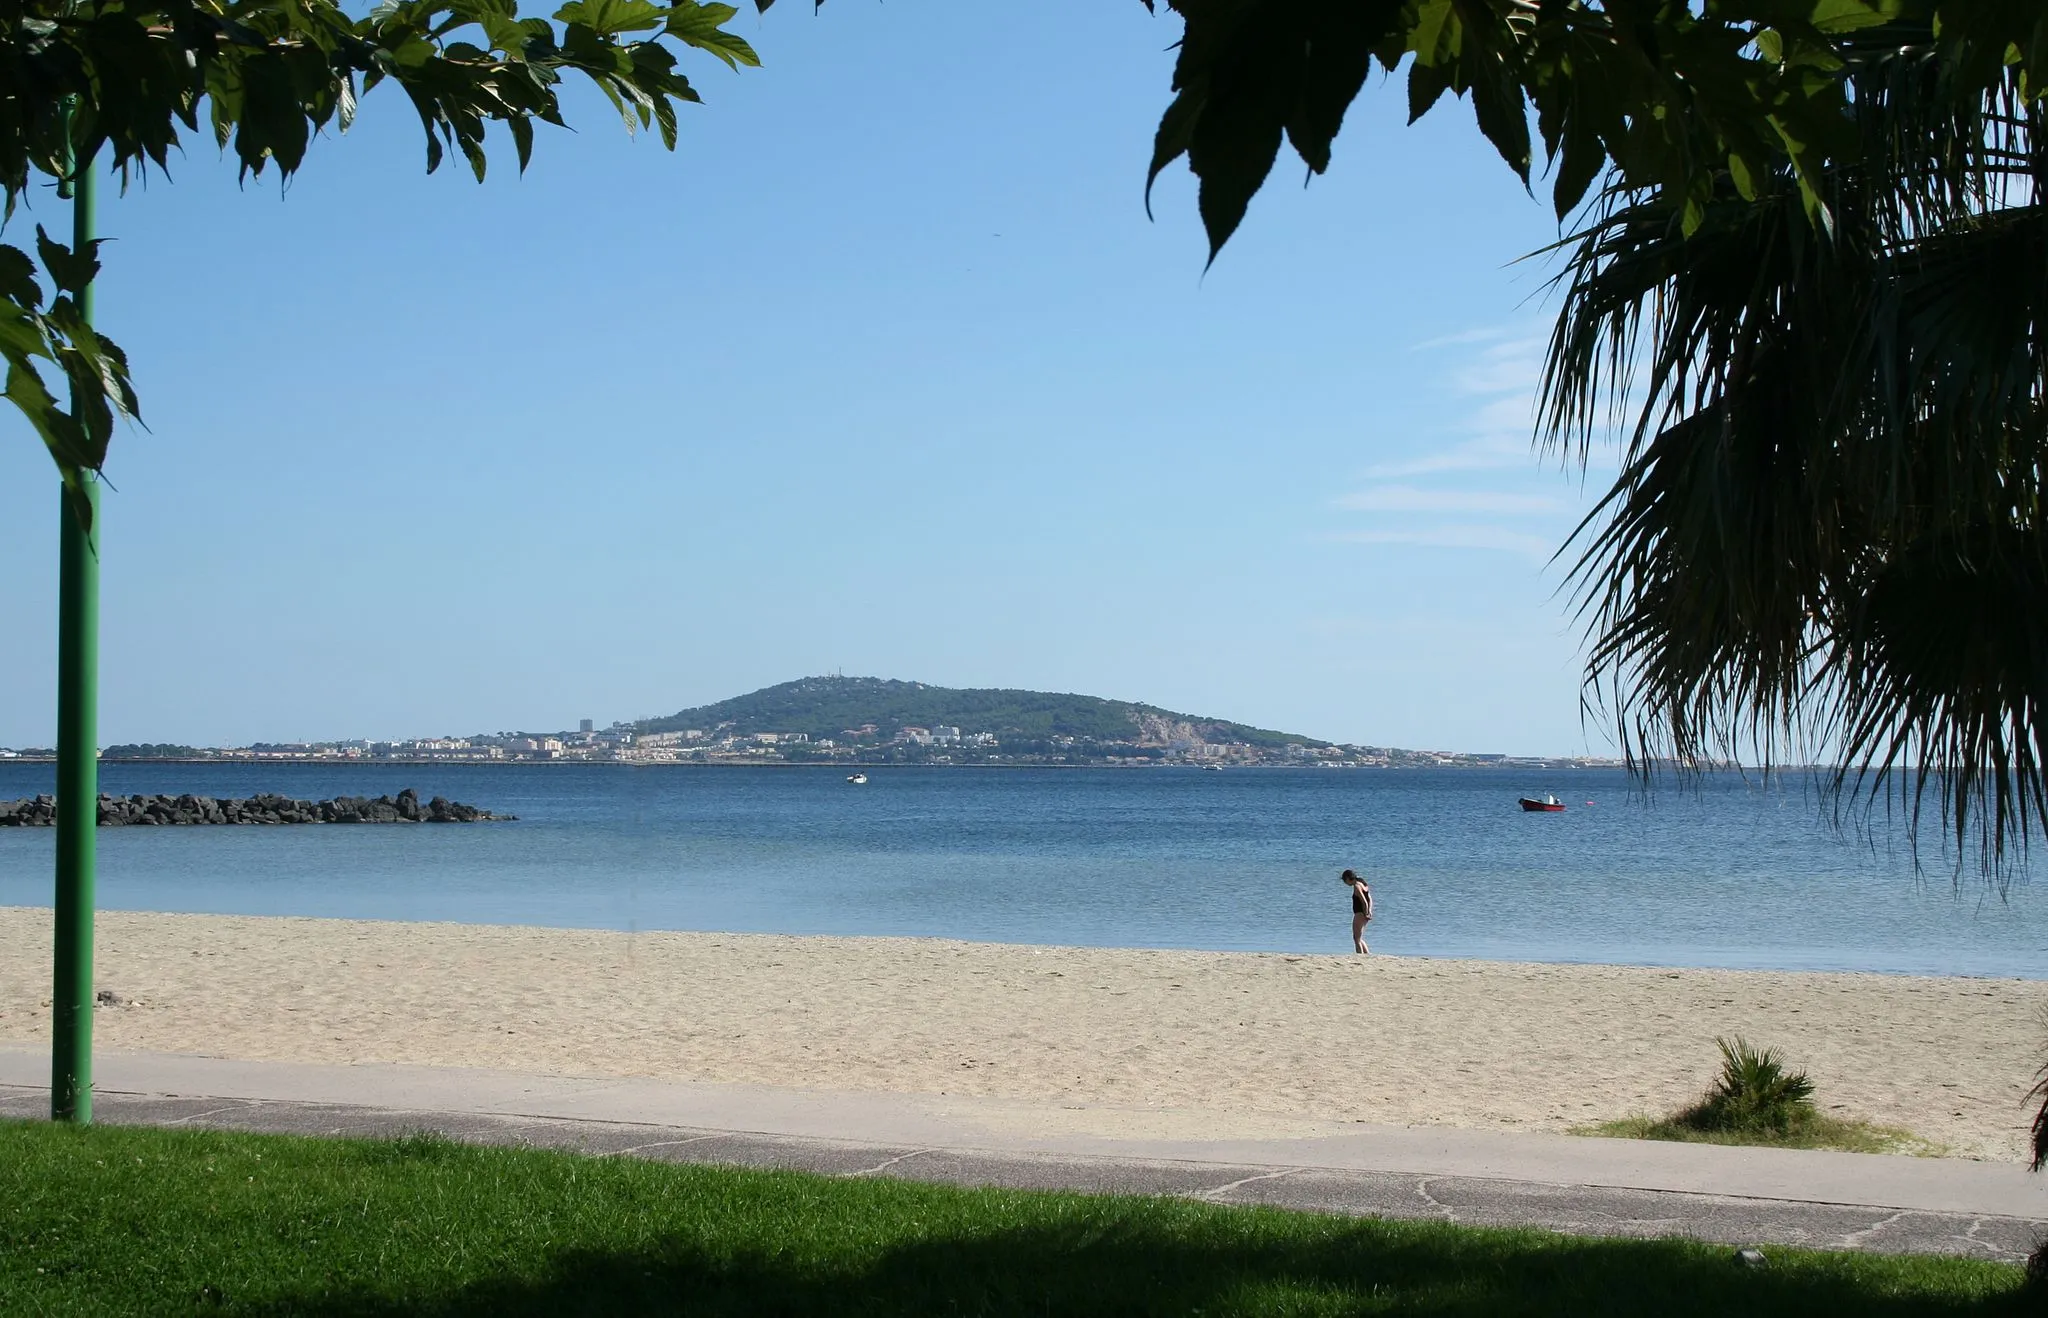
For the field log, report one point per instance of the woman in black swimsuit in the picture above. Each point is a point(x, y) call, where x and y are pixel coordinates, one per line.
point(1361, 908)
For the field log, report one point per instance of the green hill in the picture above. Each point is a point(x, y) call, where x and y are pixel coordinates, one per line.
point(832, 706)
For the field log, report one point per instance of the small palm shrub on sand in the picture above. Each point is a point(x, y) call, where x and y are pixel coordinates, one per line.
point(1755, 1094)
point(1756, 1100)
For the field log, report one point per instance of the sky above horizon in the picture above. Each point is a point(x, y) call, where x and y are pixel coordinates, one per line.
point(885, 372)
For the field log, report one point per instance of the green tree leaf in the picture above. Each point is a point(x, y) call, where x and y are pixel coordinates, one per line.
point(267, 77)
point(609, 18)
point(703, 27)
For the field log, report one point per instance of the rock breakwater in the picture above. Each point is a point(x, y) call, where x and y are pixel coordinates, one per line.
point(405, 808)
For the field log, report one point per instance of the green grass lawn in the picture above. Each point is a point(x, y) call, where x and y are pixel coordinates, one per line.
point(1815, 1131)
point(113, 1220)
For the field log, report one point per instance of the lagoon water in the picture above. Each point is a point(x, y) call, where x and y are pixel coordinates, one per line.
point(1731, 874)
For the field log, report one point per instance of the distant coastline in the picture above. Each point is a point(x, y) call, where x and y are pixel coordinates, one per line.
point(1543, 765)
point(865, 723)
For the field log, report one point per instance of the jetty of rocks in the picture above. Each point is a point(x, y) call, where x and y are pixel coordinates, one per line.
point(405, 808)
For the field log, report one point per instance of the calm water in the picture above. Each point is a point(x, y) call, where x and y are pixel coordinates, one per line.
point(1731, 876)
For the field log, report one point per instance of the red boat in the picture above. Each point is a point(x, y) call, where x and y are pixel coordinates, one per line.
point(1549, 803)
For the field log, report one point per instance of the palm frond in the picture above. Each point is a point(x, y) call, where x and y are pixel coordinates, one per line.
point(1827, 535)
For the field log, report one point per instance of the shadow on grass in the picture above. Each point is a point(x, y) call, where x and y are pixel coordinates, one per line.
point(1377, 1268)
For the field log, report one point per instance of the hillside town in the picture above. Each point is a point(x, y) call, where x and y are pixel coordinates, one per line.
point(866, 745)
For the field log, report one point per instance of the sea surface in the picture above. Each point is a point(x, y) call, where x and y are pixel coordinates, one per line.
point(1729, 874)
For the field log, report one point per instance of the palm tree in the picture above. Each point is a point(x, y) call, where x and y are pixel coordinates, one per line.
point(1828, 532)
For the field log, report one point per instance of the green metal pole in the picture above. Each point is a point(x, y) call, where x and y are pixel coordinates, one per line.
point(78, 769)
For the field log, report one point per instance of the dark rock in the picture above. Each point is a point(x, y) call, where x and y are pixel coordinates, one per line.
point(31, 812)
point(263, 808)
point(441, 810)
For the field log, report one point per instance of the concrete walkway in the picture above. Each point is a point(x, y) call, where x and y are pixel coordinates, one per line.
point(1738, 1196)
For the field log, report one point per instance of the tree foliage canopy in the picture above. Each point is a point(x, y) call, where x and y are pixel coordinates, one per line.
point(1671, 95)
point(123, 81)
point(1808, 294)
point(1829, 522)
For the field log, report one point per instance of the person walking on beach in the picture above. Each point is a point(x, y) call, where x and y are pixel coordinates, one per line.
point(1361, 908)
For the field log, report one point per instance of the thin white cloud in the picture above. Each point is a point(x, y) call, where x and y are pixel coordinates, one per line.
point(1513, 367)
point(1483, 334)
point(1512, 417)
point(1408, 499)
point(1436, 629)
point(1496, 432)
point(1487, 453)
point(1456, 537)
point(1487, 403)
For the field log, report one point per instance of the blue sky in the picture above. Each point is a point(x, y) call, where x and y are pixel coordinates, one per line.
point(885, 371)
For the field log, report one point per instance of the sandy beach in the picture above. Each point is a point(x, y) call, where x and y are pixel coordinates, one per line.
point(1245, 1043)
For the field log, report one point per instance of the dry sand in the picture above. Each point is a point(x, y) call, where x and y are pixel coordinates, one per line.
point(1226, 1041)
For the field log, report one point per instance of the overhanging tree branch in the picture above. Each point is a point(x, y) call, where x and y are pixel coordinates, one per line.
point(266, 76)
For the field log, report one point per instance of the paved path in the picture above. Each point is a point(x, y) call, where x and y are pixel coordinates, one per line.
point(1492, 1178)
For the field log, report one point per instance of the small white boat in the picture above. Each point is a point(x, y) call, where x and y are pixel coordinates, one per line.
point(856, 778)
